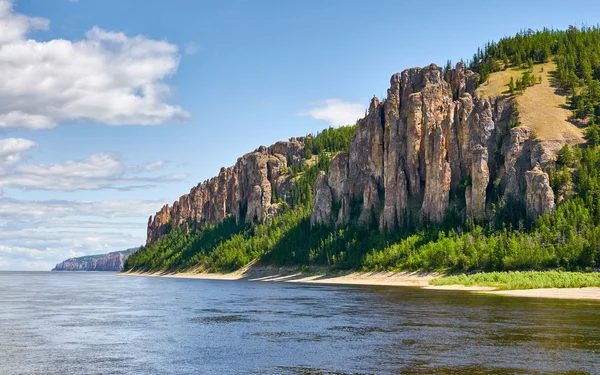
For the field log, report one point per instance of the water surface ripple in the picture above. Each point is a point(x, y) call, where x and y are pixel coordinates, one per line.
point(102, 323)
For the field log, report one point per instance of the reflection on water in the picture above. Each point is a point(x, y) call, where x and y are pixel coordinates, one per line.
point(94, 323)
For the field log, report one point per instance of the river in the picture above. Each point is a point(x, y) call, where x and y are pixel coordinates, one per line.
point(104, 323)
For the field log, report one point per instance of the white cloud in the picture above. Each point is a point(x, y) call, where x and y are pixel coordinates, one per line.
point(152, 166)
point(99, 171)
point(12, 151)
point(108, 77)
point(335, 111)
point(42, 248)
point(13, 209)
point(15, 146)
point(15, 26)
point(39, 234)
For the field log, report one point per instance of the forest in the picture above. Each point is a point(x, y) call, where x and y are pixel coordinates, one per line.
point(569, 239)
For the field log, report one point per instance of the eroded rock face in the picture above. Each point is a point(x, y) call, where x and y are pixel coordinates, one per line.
point(480, 177)
point(432, 134)
point(539, 196)
point(430, 137)
point(462, 81)
point(158, 225)
point(244, 191)
point(517, 160)
point(427, 144)
point(366, 160)
point(322, 202)
point(331, 195)
point(436, 110)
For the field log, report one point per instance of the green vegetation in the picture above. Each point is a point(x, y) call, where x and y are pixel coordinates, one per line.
point(330, 140)
point(229, 246)
point(577, 54)
point(524, 280)
point(305, 179)
point(569, 239)
point(526, 80)
point(224, 247)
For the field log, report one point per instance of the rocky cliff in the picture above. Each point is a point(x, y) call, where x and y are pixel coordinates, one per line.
point(431, 139)
point(104, 262)
point(245, 191)
point(432, 145)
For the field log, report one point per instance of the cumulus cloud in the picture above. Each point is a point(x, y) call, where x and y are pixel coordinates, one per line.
point(16, 26)
point(335, 111)
point(107, 77)
point(13, 150)
point(99, 171)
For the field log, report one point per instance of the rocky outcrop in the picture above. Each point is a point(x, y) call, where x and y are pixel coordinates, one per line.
point(480, 177)
point(431, 136)
point(365, 164)
point(539, 196)
point(104, 262)
point(249, 190)
point(432, 139)
point(322, 202)
point(517, 161)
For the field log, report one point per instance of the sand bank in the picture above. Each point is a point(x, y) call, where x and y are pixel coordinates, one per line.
point(410, 279)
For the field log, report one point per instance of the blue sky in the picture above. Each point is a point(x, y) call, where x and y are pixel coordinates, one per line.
point(111, 108)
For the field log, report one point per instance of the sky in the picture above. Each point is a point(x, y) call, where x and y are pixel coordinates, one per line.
point(111, 108)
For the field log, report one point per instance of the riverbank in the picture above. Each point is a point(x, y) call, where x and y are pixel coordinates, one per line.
point(405, 279)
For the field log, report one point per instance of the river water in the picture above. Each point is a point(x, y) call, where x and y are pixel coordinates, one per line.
point(103, 323)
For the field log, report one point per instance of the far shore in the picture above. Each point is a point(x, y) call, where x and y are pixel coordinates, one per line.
point(403, 279)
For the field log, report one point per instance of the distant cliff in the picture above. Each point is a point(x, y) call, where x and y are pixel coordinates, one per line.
point(102, 262)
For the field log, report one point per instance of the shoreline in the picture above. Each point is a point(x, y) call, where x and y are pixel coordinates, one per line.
point(401, 279)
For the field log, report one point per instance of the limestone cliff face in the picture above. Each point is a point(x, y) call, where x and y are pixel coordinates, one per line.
point(244, 191)
point(431, 135)
point(539, 194)
point(429, 140)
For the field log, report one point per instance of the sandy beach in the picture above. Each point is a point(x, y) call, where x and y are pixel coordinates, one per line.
point(406, 279)
point(566, 293)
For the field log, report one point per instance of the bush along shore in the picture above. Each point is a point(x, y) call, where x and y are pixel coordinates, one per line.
point(517, 280)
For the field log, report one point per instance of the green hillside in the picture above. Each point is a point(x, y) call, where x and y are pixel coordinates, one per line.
point(568, 239)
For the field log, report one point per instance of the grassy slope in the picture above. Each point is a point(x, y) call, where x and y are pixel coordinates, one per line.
point(542, 107)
